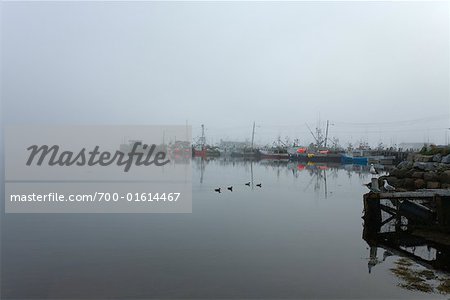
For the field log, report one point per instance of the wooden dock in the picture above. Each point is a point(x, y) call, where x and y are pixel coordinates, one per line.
point(414, 219)
point(429, 207)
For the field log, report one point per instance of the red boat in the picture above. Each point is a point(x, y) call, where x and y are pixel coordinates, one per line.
point(199, 151)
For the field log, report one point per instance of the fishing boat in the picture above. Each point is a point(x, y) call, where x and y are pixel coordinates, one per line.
point(304, 154)
point(278, 151)
point(356, 160)
point(246, 153)
point(205, 151)
point(320, 156)
point(317, 152)
point(212, 151)
point(199, 151)
point(180, 149)
point(274, 153)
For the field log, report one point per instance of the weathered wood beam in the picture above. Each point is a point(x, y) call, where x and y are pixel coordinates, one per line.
point(388, 220)
point(416, 194)
point(388, 209)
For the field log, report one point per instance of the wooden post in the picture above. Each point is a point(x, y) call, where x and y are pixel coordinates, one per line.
point(443, 211)
point(372, 211)
point(374, 184)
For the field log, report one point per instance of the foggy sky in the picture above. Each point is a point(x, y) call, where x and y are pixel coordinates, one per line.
point(378, 71)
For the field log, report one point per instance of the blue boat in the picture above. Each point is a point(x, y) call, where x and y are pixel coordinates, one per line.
point(346, 159)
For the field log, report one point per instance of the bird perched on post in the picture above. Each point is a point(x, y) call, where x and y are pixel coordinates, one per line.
point(388, 187)
point(373, 170)
point(370, 187)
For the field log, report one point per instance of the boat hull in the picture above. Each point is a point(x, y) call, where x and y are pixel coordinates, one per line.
point(245, 154)
point(308, 157)
point(354, 160)
point(273, 155)
point(199, 153)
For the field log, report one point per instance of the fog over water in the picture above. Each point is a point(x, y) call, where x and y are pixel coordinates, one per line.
point(378, 71)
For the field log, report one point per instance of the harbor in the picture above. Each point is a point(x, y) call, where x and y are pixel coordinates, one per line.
point(304, 219)
point(391, 204)
point(402, 218)
point(225, 150)
point(318, 151)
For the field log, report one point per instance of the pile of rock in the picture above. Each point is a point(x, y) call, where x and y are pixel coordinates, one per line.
point(421, 171)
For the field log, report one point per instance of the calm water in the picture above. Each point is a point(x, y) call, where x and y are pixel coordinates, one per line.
point(298, 236)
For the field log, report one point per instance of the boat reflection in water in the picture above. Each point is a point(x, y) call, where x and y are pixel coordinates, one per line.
point(419, 262)
point(296, 236)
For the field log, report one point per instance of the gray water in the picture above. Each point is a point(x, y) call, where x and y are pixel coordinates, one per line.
point(299, 235)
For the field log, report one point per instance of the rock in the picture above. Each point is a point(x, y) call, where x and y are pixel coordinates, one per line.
point(423, 158)
point(444, 177)
point(400, 173)
point(417, 174)
point(405, 165)
point(394, 172)
point(446, 159)
point(409, 173)
point(427, 158)
point(437, 157)
point(430, 176)
point(401, 183)
point(433, 185)
point(419, 183)
point(445, 185)
point(408, 183)
point(425, 166)
point(443, 167)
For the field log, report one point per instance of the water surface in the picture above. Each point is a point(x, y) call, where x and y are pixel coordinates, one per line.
point(299, 235)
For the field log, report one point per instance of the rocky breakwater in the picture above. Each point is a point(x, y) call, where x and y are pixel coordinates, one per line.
point(421, 171)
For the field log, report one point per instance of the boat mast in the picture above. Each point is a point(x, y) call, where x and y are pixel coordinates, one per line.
point(203, 139)
point(326, 134)
point(253, 134)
